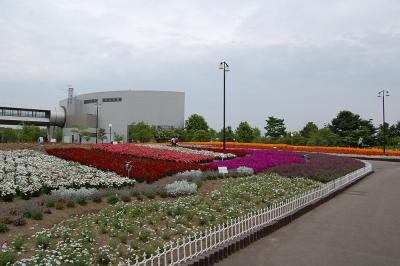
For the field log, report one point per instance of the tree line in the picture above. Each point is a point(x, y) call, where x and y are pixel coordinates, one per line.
point(346, 129)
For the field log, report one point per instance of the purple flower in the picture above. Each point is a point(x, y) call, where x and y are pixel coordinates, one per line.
point(261, 160)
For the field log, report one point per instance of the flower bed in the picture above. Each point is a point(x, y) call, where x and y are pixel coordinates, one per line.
point(125, 231)
point(321, 167)
point(215, 154)
point(338, 150)
point(142, 168)
point(27, 172)
point(237, 152)
point(155, 152)
point(260, 160)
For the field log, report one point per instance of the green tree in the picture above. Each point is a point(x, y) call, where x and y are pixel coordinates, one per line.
point(201, 135)
point(140, 132)
point(118, 138)
point(244, 132)
point(256, 135)
point(101, 134)
point(352, 129)
point(275, 128)
point(229, 134)
point(196, 122)
point(8, 135)
point(308, 130)
point(162, 135)
point(213, 134)
point(86, 135)
point(299, 139)
point(323, 137)
point(58, 135)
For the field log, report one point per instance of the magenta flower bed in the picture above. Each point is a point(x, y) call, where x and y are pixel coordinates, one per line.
point(154, 153)
point(261, 160)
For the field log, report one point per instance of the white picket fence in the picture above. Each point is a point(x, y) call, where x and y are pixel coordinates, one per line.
point(186, 249)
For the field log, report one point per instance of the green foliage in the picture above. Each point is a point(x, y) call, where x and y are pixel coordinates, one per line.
point(58, 135)
point(8, 135)
point(70, 204)
point(112, 199)
point(103, 258)
point(101, 134)
point(97, 199)
point(201, 135)
point(86, 135)
point(163, 135)
point(275, 128)
point(352, 130)
point(257, 135)
point(244, 133)
point(37, 215)
point(3, 228)
point(118, 138)
point(196, 122)
point(18, 243)
point(141, 132)
point(323, 137)
point(308, 130)
point(43, 241)
point(7, 258)
point(229, 134)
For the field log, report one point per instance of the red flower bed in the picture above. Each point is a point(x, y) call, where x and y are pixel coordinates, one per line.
point(142, 168)
point(154, 153)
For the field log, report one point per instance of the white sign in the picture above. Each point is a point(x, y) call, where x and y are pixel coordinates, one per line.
point(115, 142)
point(53, 140)
point(222, 170)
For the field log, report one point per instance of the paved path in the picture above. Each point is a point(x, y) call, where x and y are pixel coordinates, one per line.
point(360, 226)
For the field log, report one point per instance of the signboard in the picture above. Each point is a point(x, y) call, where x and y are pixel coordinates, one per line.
point(53, 140)
point(222, 170)
point(115, 142)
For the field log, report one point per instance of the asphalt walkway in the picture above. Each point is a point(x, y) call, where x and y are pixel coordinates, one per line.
point(360, 226)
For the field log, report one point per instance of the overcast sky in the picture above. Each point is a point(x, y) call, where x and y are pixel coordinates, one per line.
point(298, 60)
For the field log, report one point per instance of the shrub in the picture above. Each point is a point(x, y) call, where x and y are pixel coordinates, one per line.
point(245, 171)
point(3, 228)
point(70, 204)
point(150, 195)
point(19, 221)
point(179, 188)
point(97, 199)
point(81, 201)
point(72, 194)
point(37, 215)
point(7, 258)
point(103, 258)
point(60, 205)
point(125, 198)
point(112, 199)
point(144, 235)
point(123, 237)
point(18, 243)
point(50, 204)
point(43, 241)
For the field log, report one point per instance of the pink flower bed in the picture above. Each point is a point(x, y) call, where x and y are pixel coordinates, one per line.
point(154, 153)
point(260, 160)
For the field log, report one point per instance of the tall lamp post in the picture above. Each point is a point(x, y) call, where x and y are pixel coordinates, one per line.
point(110, 126)
point(382, 94)
point(225, 67)
point(97, 119)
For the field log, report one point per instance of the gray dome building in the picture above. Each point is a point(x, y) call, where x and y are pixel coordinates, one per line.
point(115, 110)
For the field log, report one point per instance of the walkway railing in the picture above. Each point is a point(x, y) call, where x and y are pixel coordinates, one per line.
point(186, 249)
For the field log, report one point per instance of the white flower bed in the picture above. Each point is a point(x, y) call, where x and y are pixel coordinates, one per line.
point(28, 172)
point(191, 151)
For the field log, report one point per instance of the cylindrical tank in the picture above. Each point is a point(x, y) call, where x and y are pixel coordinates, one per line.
point(57, 116)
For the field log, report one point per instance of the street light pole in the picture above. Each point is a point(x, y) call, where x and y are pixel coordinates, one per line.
point(97, 119)
point(382, 95)
point(225, 67)
point(110, 126)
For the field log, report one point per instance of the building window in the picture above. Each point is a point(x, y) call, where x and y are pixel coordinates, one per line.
point(90, 101)
point(109, 100)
